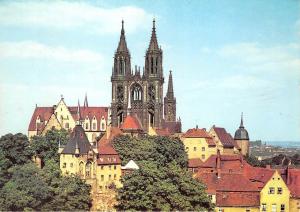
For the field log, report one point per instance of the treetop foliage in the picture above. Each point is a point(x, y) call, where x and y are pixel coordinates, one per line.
point(162, 183)
point(161, 150)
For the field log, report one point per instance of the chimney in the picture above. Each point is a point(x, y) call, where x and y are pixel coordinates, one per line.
point(218, 164)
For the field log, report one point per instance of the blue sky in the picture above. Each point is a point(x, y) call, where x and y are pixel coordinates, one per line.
point(227, 57)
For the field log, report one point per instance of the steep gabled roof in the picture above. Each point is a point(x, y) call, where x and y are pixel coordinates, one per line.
point(107, 153)
point(225, 138)
point(90, 112)
point(78, 139)
point(44, 113)
point(293, 182)
point(259, 176)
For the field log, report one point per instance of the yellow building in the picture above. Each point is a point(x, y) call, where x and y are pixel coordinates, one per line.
point(78, 156)
point(93, 119)
point(275, 195)
point(198, 144)
point(223, 140)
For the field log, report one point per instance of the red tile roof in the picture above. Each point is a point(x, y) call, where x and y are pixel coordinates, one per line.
point(228, 191)
point(237, 199)
point(107, 154)
point(131, 122)
point(199, 133)
point(90, 112)
point(235, 182)
point(260, 176)
point(194, 163)
point(233, 162)
point(44, 114)
point(293, 182)
point(225, 138)
point(196, 133)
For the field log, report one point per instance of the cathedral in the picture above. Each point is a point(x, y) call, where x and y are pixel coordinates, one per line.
point(137, 97)
point(140, 93)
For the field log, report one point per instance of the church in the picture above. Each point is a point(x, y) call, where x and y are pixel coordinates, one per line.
point(141, 92)
point(135, 94)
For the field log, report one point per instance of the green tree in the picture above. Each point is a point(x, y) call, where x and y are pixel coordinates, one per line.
point(162, 182)
point(69, 192)
point(31, 188)
point(46, 147)
point(162, 150)
point(14, 150)
point(25, 190)
point(157, 188)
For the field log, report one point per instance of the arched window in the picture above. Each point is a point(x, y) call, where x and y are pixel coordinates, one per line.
point(156, 65)
point(88, 169)
point(136, 93)
point(151, 65)
point(124, 65)
point(81, 169)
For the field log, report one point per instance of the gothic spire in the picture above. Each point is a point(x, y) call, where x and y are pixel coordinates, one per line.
point(153, 42)
point(170, 92)
point(122, 47)
point(242, 122)
point(78, 113)
point(86, 104)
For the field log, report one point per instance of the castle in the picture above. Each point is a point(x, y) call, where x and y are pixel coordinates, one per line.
point(138, 107)
point(133, 93)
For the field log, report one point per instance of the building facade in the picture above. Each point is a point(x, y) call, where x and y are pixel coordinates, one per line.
point(60, 116)
point(141, 92)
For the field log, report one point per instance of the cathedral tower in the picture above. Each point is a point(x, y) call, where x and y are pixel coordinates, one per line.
point(121, 72)
point(170, 102)
point(141, 94)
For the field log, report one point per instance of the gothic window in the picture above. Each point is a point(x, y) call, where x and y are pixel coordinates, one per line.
point(120, 93)
point(120, 65)
point(88, 169)
point(151, 93)
point(120, 118)
point(151, 65)
point(136, 93)
point(151, 119)
point(156, 64)
point(81, 168)
point(124, 65)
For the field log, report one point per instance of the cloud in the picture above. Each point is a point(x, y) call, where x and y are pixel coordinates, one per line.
point(276, 59)
point(68, 15)
point(34, 50)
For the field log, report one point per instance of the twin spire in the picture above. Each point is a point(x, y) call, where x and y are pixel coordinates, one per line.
point(153, 45)
point(153, 41)
point(122, 47)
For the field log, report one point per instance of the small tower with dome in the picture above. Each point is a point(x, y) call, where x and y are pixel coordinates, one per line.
point(242, 138)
